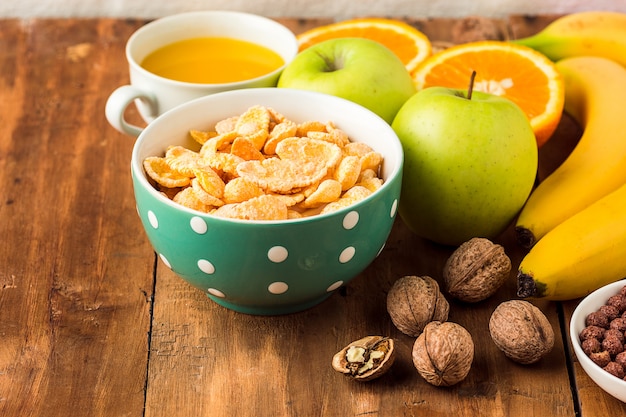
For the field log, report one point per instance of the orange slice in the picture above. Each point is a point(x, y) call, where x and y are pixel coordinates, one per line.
point(408, 43)
point(516, 72)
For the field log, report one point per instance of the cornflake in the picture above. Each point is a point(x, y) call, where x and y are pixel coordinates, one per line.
point(261, 166)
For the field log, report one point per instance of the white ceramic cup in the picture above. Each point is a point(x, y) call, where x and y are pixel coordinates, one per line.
point(154, 95)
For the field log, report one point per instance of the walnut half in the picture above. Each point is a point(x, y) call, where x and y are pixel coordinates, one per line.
point(365, 359)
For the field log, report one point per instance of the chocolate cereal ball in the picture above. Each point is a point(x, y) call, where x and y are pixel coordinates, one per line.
point(621, 359)
point(601, 359)
point(615, 334)
point(618, 324)
point(592, 332)
point(612, 345)
point(591, 346)
point(615, 369)
point(597, 318)
point(618, 301)
point(611, 312)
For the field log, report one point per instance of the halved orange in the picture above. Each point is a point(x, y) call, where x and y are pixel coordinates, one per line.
point(407, 42)
point(516, 72)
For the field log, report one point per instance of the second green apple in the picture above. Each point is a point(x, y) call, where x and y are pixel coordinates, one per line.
point(470, 164)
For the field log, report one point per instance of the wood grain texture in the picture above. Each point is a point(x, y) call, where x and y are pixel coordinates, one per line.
point(77, 274)
point(92, 325)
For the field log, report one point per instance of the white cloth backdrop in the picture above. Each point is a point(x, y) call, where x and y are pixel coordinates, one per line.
point(338, 9)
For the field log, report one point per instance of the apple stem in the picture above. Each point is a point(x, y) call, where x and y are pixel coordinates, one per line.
point(470, 89)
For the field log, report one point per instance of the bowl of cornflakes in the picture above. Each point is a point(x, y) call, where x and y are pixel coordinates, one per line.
point(267, 199)
point(597, 330)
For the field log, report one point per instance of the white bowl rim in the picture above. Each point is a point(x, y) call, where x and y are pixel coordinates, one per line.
point(590, 303)
point(182, 108)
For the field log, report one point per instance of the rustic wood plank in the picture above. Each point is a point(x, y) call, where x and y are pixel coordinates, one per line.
point(444, 32)
point(209, 360)
point(77, 274)
point(206, 359)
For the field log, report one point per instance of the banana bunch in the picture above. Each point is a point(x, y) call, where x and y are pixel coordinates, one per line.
point(593, 33)
point(595, 96)
point(580, 255)
point(575, 221)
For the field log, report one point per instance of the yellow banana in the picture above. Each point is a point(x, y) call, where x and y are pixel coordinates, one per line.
point(591, 33)
point(595, 95)
point(580, 255)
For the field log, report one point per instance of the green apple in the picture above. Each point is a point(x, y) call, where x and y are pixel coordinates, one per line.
point(470, 163)
point(357, 69)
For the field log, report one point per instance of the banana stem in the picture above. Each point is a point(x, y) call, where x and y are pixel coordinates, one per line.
point(525, 238)
point(527, 287)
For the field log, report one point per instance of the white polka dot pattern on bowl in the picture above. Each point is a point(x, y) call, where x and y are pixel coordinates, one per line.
point(165, 261)
point(198, 225)
point(334, 286)
point(275, 254)
point(278, 287)
point(216, 293)
point(152, 218)
point(350, 220)
point(394, 208)
point(347, 254)
point(206, 266)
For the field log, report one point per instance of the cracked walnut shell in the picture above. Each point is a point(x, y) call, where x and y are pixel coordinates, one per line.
point(443, 353)
point(413, 302)
point(521, 331)
point(476, 270)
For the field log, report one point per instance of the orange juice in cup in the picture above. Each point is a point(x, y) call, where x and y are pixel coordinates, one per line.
point(185, 56)
point(212, 60)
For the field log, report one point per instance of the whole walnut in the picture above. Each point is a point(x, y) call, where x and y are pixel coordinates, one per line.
point(521, 331)
point(475, 270)
point(413, 302)
point(443, 353)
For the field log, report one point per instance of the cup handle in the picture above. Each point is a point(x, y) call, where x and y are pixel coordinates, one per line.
point(117, 103)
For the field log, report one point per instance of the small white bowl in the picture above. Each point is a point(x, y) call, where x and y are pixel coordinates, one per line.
point(611, 384)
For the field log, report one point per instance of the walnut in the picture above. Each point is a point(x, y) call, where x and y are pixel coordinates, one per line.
point(365, 359)
point(443, 353)
point(476, 270)
point(521, 331)
point(413, 302)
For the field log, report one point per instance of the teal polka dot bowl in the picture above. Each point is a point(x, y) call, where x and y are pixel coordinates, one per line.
point(268, 267)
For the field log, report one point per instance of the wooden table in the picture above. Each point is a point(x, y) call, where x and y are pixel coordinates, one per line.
point(91, 324)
